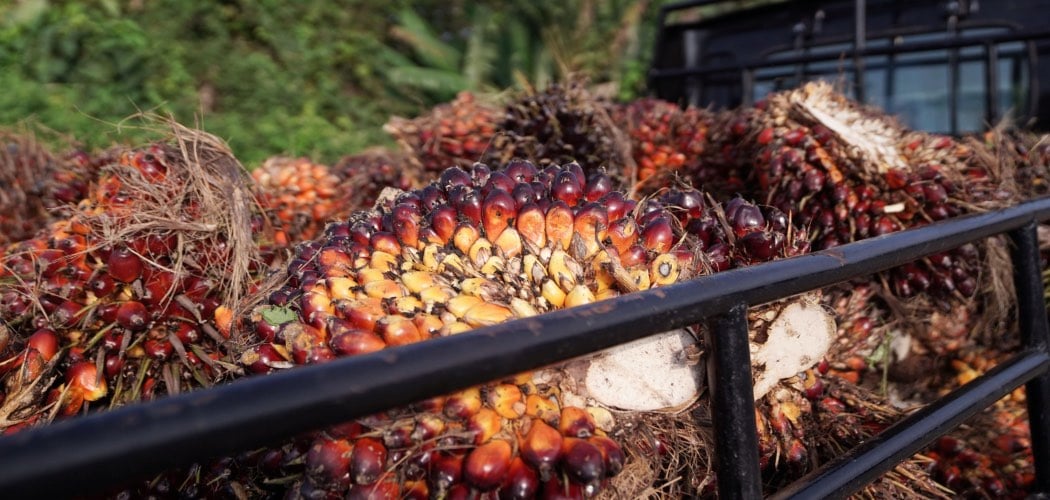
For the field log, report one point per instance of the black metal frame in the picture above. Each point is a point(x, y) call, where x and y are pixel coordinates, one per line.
point(95, 451)
point(744, 71)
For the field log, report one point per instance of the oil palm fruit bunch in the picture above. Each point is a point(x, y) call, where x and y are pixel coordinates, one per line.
point(843, 416)
point(365, 175)
point(990, 456)
point(470, 250)
point(301, 196)
point(564, 123)
point(849, 173)
point(664, 137)
point(453, 134)
point(117, 302)
point(39, 186)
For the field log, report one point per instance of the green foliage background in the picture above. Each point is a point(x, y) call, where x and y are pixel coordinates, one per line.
point(305, 78)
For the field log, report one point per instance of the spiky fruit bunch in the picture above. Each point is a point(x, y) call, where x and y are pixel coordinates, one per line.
point(453, 134)
point(664, 137)
point(848, 173)
point(469, 250)
point(39, 186)
point(563, 123)
point(365, 175)
point(119, 299)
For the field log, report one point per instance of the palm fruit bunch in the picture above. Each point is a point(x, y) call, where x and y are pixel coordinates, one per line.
point(469, 250)
point(366, 174)
point(664, 137)
point(475, 249)
point(454, 134)
point(118, 302)
point(989, 456)
point(39, 186)
point(302, 196)
point(848, 173)
point(566, 122)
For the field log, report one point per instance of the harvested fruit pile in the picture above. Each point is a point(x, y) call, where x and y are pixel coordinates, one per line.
point(494, 212)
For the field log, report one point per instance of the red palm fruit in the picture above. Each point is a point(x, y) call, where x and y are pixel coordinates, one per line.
point(566, 188)
point(582, 462)
point(43, 342)
point(83, 379)
point(101, 285)
point(507, 400)
point(264, 358)
point(454, 176)
point(328, 463)
point(123, 265)
point(486, 465)
point(484, 425)
point(463, 404)
point(522, 194)
point(576, 422)
point(443, 221)
point(520, 483)
point(658, 235)
point(615, 205)
point(497, 212)
point(132, 315)
point(446, 469)
point(398, 330)
point(384, 241)
point(612, 454)
point(415, 490)
point(300, 339)
point(556, 489)
point(468, 204)
point(531, 225)
point(623, 233)
point(559, 224)
point(355, 341)
point(362, 312)
point(541, 447)
point(384, 490)
point(592, 224)
point(406, 220)
point(158, 349)
point(367, 461)
point(68, 314)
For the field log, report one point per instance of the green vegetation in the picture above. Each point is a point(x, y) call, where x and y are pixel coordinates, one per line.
point(311, 78)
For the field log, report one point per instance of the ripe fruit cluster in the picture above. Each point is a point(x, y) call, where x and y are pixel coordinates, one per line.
point(454, 134)
point(39, 187)
point(365, 175)
point(469, 250)
point(116, 302)
point(664, 137)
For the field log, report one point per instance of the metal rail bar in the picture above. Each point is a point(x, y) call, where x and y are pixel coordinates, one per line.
point(733, 405)
point(863, 464)
point(1035, 334)
point(963, 41)
point(76, 455)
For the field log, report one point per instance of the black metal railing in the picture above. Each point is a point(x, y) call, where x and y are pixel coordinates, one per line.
point(673, 79)
point(91, 452)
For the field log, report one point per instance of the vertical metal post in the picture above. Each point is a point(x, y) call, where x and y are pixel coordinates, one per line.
point(859, 44)
point(953, 74)
point(747, 87)
point(733, 405)
point(1035, 334)
point(991, 82)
